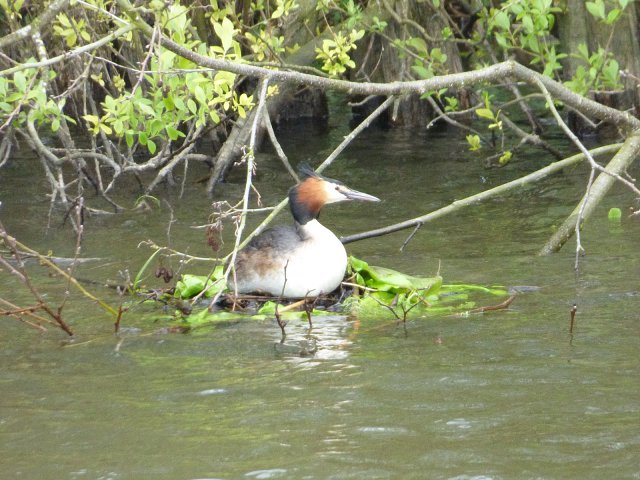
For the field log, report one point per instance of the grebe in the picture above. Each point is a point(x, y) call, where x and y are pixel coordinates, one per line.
point(303, 260)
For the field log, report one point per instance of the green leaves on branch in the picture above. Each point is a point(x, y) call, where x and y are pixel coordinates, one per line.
point(70, 29)
point(526, 26)
point(23, 97)
point(599, 72)
point(427, 62)
point(334, 53)
point(174, 92)
point(597, 8)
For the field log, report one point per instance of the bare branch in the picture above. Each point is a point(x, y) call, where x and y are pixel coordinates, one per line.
point(475, 199)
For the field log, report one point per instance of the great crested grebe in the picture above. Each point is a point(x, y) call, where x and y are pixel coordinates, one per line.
point(301, 260)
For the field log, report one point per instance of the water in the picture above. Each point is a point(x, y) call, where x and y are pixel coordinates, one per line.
point(506, 394)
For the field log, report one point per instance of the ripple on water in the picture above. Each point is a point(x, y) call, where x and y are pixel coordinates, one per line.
point(263, 474)
point(212, 391)
point(383, 430)
point(461, 423)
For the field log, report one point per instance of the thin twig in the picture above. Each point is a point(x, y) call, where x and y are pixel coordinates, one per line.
point(247, 189)
point(274, 141)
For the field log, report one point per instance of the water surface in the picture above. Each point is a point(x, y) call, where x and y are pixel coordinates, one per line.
point(507, 394)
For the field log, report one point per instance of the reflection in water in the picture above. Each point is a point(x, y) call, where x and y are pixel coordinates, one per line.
point(328, 339)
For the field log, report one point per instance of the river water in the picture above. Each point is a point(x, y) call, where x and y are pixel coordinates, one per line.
point(502, 395)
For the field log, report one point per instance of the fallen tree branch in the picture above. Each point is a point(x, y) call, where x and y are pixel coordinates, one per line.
point(17, 246)
point(628, 152)
point(490, 308)
point(478, 197)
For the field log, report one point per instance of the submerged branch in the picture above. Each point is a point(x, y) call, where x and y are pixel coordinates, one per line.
point(46, 261)
point(478, 197)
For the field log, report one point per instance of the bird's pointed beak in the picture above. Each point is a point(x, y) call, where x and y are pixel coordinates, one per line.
point(356, 195)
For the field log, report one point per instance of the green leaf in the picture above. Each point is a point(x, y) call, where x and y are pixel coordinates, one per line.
point(613, 16)
point(193, 108)
point(485, 113)
point(422, 72)
point(225, 32)
point(146, 109)
point(527, 23)
point(615, 214)
point(20, 81)
point(105, 128)
point(191, 285)
point(419, 45)
point(596, 8)
point(386, 279)
point(474, 142)
point(504, 159)
point(93, 119)
point(501, 19)
point(151, 145)
point(200, 95)
point(173, 133)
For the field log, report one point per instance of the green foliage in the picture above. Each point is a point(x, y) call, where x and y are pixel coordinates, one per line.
point(399, 294)
point(474, 142)
point(154, 115)
point(159, 105)
point(428, 63)
point(505, 157)
point(191, 285)
point(334, 53)
point(378, 25)
point(70, 29)
point(615, 214)
point(526, 26)
point(597, 8)
point(11, 8)
point(386, 291)
point(599, 72)
point(23, 97)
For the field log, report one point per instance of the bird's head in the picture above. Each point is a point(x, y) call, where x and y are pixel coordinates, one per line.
point(314, 191)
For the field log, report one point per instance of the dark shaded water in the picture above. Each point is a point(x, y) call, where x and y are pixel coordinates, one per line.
point(506, 394)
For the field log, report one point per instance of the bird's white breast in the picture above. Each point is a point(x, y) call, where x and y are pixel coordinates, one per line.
point(306, 264)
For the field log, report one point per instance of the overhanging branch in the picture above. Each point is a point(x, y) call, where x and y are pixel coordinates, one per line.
point(479, 197)
point(494, 73)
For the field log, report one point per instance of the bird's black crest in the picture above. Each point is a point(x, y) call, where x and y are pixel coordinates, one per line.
point(305, 170)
